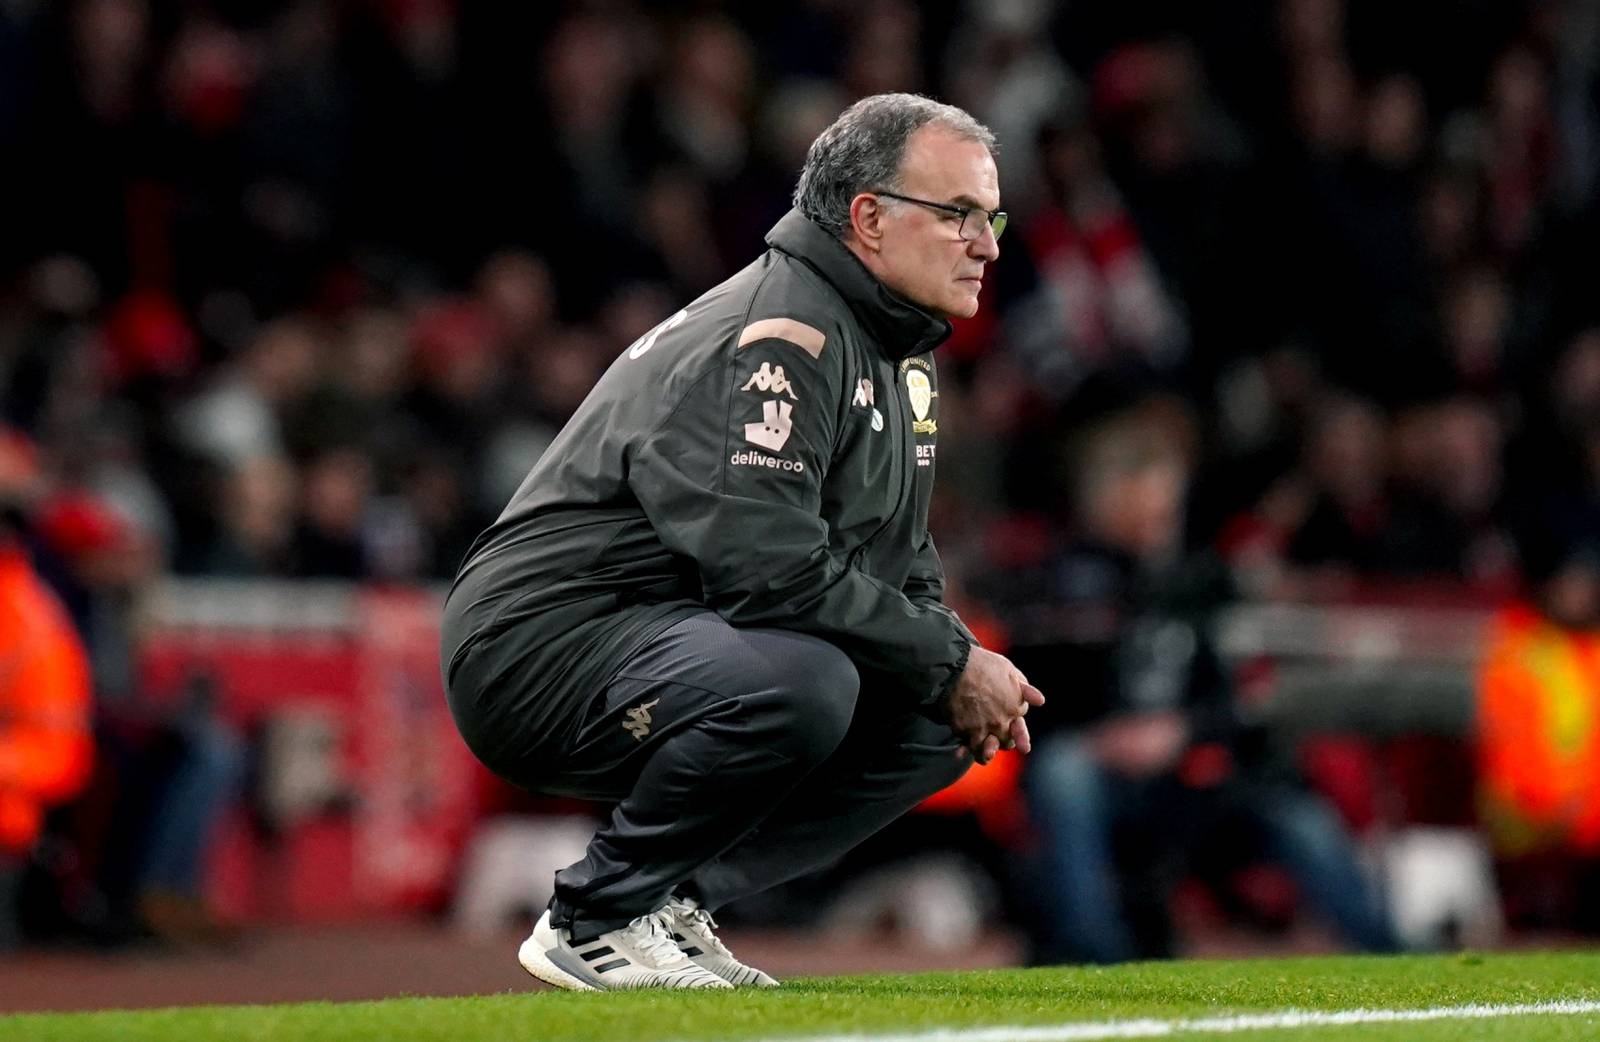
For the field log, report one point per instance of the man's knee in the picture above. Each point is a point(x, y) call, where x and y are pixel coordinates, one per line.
point(810, 688)
point(1064, 777)
point(1304, 824)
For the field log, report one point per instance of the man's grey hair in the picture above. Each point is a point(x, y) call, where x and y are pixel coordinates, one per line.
point(863, 150)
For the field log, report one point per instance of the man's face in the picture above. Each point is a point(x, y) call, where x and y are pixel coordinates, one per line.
point(923, 257)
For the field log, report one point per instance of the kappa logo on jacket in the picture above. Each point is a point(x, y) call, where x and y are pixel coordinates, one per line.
point(771, 379)
point(638, 722)
point(771, 432)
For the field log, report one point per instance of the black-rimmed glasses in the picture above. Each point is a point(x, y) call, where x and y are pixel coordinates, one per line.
point(973, 218)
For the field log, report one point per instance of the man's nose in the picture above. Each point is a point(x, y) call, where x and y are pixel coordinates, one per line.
point(985, 247)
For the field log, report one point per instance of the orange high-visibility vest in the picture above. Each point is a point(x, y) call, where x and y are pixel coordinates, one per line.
point(46, 749)
point(1539, 735)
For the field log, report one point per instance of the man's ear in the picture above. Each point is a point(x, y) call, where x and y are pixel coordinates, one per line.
point(866, 221)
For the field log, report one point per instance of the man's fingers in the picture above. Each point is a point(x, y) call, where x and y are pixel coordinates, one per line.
point(1019, 736)
point(1032, 695)
point(991, 745)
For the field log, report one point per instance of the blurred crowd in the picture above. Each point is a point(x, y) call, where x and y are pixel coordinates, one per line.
point(303, 289)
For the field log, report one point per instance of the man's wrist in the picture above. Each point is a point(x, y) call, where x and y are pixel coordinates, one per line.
point(941, 699)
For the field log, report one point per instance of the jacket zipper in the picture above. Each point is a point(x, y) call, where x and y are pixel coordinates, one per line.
point(907, 449)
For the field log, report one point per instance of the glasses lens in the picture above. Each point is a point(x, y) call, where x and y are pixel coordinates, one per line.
point(972, 224)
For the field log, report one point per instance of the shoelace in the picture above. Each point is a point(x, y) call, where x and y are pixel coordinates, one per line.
point(701, 918)
point(652, 935)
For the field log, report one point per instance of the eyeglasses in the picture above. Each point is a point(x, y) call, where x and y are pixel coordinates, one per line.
point(973, 218)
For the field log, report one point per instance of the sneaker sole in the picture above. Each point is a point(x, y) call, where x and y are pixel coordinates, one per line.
point(533, 958)
point(743, 977)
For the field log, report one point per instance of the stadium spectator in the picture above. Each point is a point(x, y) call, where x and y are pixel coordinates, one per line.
point(242, 414)
point(332, 539)
point(1449, 478)
point(185, 774)
point(168, 771)
point(1105, 308)
point(256, 526)
point(1346, 470)
point(1555, 460)
point(1150, 773)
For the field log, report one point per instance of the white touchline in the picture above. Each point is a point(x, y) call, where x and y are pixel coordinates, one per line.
point(1089, 1031)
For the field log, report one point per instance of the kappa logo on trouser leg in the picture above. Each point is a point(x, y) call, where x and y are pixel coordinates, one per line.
point(638, 722)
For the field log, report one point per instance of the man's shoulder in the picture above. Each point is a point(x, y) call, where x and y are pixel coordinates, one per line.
point(776, 305)
point(793, 303)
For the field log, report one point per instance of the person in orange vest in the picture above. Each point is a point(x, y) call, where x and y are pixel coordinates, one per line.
point(1538, 735)
point(46, 748)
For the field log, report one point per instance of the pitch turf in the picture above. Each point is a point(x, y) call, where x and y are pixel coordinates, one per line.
point(1056, 1004)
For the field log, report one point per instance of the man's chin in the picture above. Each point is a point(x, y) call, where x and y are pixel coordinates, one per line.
point(965, 307)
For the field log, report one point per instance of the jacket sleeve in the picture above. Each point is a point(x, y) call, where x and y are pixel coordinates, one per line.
point(732, 480)
point(924, 584)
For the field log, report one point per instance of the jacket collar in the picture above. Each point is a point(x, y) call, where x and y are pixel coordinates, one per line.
point(901, 328)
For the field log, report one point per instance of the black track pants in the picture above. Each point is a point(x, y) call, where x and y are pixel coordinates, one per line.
point(740, 758)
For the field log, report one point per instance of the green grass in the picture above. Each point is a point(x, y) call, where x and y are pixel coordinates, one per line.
point(881, 1005)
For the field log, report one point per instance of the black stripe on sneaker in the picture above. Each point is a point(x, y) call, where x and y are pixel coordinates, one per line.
point(594, 953)
point(691, 951)
point(613, 964)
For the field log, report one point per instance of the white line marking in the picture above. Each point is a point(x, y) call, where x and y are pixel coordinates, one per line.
point(1089, 1031)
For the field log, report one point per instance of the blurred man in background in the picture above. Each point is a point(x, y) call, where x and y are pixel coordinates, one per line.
point(131, 843)
point(725, 547)
point(1151, 773)
point(46, 751)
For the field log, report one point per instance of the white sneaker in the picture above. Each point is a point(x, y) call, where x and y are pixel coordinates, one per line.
point(639, 955)
point(691, 928)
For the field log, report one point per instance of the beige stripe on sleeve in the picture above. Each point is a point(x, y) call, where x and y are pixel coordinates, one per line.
point(807, 338)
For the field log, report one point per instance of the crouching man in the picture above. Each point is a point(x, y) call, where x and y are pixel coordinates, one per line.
point(714, 601)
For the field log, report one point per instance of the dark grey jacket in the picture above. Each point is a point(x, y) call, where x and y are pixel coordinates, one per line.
point(767, 452)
